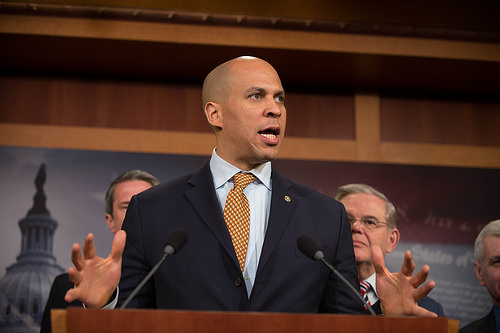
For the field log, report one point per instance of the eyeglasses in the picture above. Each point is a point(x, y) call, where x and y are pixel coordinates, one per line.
point(369, 222)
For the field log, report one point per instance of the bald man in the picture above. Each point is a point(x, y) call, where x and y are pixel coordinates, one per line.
point(259, 269)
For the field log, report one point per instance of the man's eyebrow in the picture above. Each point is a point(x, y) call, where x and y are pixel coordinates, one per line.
point(369, 217)
point(363, 217)
point(262, 90)
point(280, 93)
point(259, 89)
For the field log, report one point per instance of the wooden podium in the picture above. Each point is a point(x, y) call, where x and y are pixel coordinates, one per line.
point(78, 320)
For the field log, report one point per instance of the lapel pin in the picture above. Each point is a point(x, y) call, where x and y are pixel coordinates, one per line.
point(287, 198)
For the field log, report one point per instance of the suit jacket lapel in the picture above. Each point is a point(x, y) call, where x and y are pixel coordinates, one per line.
point(282, 206)
point(204, 200)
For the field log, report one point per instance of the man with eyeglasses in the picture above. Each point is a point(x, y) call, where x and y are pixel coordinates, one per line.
point(373, 222)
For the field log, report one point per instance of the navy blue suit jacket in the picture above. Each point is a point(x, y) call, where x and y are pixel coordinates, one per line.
point(483, 325)
point(431, 305)
point(205, 274)
point(60, 286)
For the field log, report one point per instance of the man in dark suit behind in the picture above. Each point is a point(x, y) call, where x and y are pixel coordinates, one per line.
point(487, 268)
point(116, 200)
point(244, 102)
point(373, 222)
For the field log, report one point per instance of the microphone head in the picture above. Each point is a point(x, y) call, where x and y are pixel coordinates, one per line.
point(309, 247)
point(176, 240)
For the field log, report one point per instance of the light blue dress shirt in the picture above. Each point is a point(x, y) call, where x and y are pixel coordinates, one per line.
point(258, 194)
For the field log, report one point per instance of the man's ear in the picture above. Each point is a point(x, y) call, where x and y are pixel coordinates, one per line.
point(393, 240)
point(213, 114)
point(477, 269)
point(111, 223)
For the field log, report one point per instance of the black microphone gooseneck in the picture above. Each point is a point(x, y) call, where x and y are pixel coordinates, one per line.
point(310, 248)
point(176, 240)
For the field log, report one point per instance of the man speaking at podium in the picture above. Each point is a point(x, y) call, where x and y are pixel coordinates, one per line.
point(241, 254)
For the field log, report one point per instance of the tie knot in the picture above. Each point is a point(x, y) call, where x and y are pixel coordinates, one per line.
point(243, 179)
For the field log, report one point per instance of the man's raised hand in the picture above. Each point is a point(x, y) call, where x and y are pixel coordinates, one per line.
point(399, 292)
point(95, 278)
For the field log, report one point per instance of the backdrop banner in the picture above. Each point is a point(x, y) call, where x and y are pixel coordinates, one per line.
point(440, 211)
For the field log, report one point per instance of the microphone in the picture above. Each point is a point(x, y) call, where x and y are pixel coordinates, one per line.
point(310, 248)
point(176, 240)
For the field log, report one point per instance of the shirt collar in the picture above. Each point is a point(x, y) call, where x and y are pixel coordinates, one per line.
point(372, 280)
point(222, 171)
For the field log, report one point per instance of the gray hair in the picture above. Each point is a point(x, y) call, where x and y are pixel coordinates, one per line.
point(491, 229)
point(126, 176)
point(348, 189)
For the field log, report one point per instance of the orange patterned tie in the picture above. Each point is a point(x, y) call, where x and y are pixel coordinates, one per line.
point(237, 215)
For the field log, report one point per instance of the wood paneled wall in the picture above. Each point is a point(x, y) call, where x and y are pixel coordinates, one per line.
point(131, 85)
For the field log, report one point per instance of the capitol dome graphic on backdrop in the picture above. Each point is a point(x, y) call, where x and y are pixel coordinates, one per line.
point(25, 288)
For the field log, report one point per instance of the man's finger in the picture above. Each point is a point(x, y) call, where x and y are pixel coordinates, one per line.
point(421, 312)
point(420, 277)
point(71, 295)
point(378, 260)
point(408, 264)
point(89, 251)
point(74, 276)
point(424, 290)
point(76, 257)
point(118, 245)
